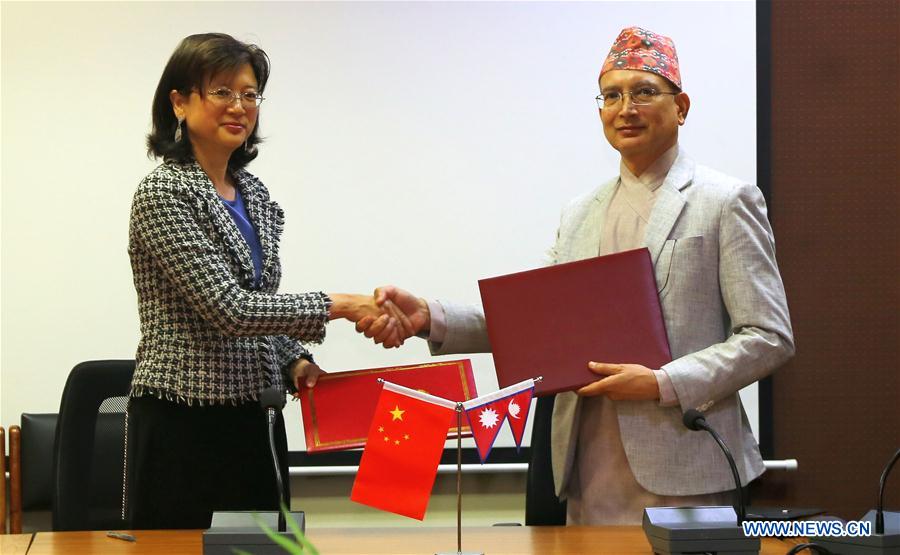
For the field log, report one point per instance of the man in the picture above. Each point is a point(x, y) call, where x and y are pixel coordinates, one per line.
point(618, 444)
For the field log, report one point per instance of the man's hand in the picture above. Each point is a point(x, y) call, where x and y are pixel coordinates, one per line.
point(304, 374)
point(410, 312)
point(622, 382)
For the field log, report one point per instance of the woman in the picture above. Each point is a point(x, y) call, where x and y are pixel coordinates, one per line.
point(203, 244)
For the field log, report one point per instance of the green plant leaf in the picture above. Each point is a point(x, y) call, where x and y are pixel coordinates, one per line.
point(295, 528)
point(287, 544)
point(302, 546)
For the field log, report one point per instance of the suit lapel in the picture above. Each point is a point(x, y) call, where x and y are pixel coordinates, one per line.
point(266, 218)
point(668, 206)
point(586, 239)
point(221, 220)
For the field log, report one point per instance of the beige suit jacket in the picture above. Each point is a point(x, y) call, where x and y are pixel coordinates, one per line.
point(725, 313)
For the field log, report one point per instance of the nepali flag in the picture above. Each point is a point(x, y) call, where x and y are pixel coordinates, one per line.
point(403, 450)
point(486, 414)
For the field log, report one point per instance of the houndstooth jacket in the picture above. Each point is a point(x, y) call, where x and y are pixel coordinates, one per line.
point(207, 335)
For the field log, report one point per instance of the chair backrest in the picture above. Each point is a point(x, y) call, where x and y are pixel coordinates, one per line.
point(38, 436)
point(30, 466)
point(542, 506)
point(88, 463)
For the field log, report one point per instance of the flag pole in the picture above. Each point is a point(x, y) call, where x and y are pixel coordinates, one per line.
point(459, 551)
point(459, 408)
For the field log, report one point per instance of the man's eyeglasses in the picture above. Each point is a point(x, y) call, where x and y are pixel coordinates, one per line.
point(639, 97)
point(223, 96)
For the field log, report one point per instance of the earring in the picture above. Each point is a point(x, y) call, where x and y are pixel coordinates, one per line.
point(247, 146)
point(178, 129)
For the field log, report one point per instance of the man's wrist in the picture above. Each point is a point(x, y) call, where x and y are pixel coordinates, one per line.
point(436, 323)
point(667, 395)
point(426, 309)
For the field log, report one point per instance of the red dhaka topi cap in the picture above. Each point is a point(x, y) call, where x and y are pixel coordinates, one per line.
point(644, 50)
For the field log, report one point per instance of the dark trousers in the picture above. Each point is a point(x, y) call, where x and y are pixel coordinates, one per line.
point(187, 461)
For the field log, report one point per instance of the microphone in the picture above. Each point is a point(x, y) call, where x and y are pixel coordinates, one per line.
point(694, 420)
point(886, 536)
point(879, 509)
point(272, 400)
point(672, 530)
point(238, 530)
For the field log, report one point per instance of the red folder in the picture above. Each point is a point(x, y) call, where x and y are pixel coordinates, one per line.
point(552, 321)
point(337, 412)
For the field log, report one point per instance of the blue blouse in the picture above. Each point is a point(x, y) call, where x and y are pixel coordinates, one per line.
point(239, 214)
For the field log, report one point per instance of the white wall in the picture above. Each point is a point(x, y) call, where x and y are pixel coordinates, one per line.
point(423, 144)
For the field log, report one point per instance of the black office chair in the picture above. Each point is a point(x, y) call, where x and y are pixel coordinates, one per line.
point(88, 464)
point(542, 506)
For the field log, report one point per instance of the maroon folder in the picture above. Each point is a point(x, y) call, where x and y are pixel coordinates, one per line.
point(551, 321)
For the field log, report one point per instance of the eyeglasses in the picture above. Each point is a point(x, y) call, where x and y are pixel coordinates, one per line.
point(639, 97)
point(223, 96)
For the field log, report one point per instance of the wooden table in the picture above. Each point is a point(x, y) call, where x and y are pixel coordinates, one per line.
point(498, 540)
point(149, 542)
point(14, 544)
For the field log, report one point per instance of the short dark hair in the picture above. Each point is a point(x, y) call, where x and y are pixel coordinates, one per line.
point(197, 59)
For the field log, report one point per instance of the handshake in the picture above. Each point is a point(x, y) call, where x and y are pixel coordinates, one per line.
point(389, 317)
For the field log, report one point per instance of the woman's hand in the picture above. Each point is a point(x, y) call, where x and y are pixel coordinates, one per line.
point(384, 320)
point(410, 312)
point(353, 307)
point(304, 374)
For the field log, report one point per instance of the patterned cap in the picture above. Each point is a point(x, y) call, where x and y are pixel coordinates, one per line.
point(644, 50)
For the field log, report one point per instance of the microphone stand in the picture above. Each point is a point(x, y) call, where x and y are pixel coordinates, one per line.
point(240, 530)
point(885, 537)
point(879, 514)
point(719, 530)
point(739, 506)
point(270, 418)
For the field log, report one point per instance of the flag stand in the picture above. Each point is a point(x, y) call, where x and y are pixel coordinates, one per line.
point(459, 551)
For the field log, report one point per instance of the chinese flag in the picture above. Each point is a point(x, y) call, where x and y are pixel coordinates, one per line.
point(403, 451)
point(486, 415)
